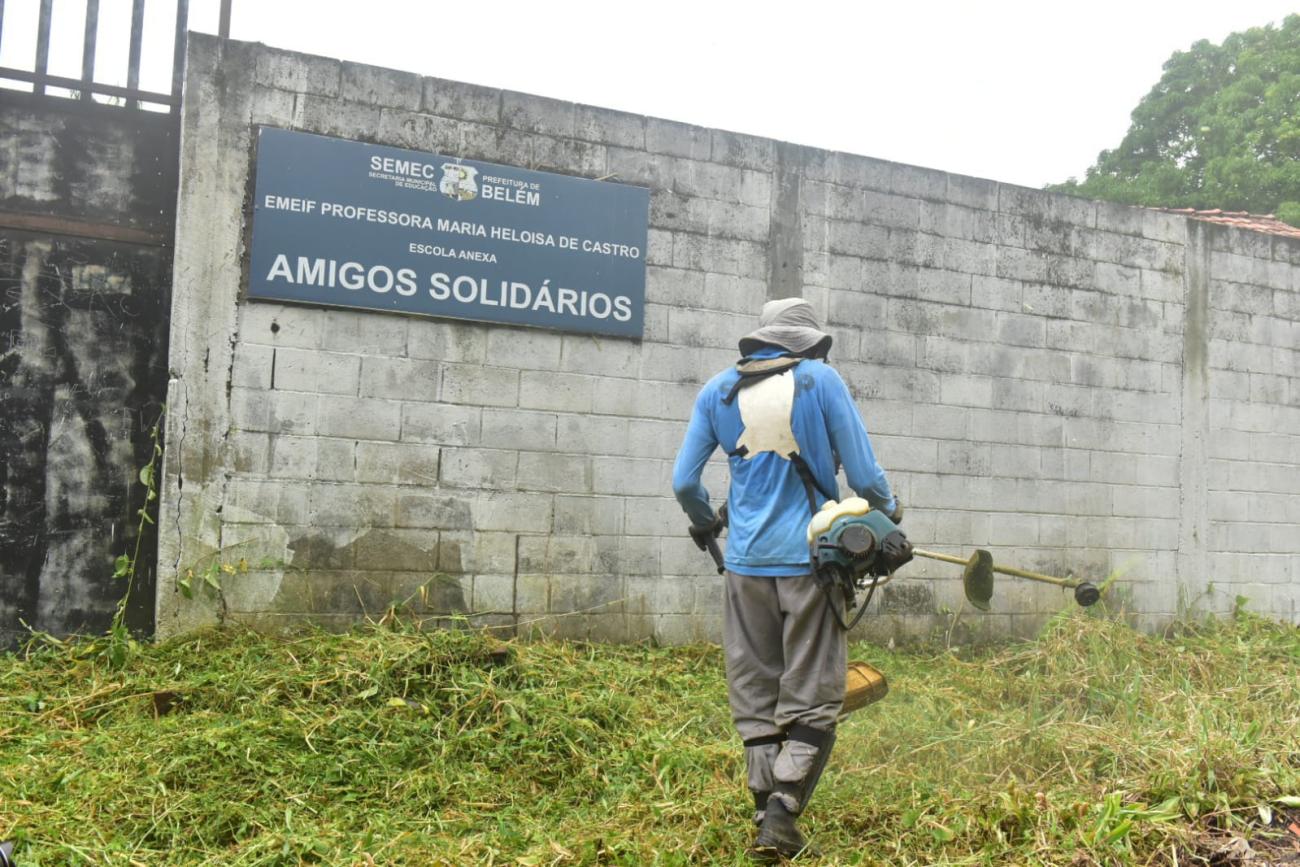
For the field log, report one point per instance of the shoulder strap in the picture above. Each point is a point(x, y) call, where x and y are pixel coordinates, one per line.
point(810, 485)
point(754, 370)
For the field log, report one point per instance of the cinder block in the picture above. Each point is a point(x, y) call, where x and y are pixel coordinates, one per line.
point(963, 459)
point(566, 155)
point(446, 341)
point(553, 472)
point(292, 412)
point(341, 505)
point(463, 101)
point(628, 476)
point(530, 349)
point(445, 424)
point(662, 595)
point(292, 457)
point(742, 151)
point(252, 366)
point(677, 139)
point(579, 515)
point(708, 329)
point(364, 332)
point(301, 73)
point(558, 391)
point(375, 85)
point(538, 114)
point(532, 594)
point(515, 512)
point(280, 325)
point(966, 390)
point(1053, 207)
point(426, 132)
point(316, 371)
point(917, 182)
point(972, 192)
point(478, 468)
point(330, 116)
point(360, 418)
point(249, 453)
point(433, 511)
point(335, 460)
point(653, 438)
point(955, 221)
point(728, 219)
point(884, 209)
point(253, 501)
point(397, 463)
point(498, 144)
point(584, 353)
point(399, 378)
point(609, 127)
point(397, 550)
point(518, 429)
point(593, 434)
point(587, 594)
point(480, 386)
point(755, 188)
point(710, 180)
point(494, 593)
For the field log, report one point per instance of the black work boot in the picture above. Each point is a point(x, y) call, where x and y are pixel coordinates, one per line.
point(778, 836)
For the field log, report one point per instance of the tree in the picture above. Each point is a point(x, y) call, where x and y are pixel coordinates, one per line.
point(1221, 129)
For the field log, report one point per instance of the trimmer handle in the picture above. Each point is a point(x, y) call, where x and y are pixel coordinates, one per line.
point(716, 554)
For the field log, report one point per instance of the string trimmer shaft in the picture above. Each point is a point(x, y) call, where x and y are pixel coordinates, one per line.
point(977, 578)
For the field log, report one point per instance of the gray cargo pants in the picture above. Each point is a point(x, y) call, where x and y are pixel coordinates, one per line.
point(787, 660)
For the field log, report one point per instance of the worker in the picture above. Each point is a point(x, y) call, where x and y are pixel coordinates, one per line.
point(786, 421)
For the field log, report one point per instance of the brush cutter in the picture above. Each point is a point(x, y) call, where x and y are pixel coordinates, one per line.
point(977, 578)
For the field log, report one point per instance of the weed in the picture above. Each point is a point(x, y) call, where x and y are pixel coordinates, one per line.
point(1092, 745)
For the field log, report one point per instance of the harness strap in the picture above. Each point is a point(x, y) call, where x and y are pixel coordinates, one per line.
point(764, 740)
point(754, 370)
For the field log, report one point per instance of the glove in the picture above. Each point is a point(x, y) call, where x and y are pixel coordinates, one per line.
point(702, 534)
point(897, 515)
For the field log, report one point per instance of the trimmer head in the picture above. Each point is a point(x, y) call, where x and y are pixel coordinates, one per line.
point(977, 579)
point(1087, 594)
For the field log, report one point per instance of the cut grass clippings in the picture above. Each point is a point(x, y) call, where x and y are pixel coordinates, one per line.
point(1093, 744)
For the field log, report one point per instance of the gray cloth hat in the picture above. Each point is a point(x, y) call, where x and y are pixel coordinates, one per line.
point(788, 323)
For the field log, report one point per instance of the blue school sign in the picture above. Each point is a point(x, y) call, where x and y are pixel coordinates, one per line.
point(347, 224)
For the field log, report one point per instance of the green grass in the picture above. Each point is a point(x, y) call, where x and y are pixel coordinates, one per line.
point(1093, 744)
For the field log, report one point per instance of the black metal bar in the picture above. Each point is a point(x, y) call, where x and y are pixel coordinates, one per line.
point(42, 46)
point(133, 59)
point(75, 83)
point(178, 54)
point(88, 47)
point(223, 27)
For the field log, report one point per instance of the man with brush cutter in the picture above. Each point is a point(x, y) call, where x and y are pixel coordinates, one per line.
point(787, 423)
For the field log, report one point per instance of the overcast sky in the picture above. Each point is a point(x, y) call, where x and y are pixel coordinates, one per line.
point(1026, 92)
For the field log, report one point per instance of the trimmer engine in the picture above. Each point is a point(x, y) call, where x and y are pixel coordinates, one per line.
point(851, 541)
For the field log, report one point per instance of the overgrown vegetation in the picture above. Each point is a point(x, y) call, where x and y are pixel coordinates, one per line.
point(1221, 129)
point(1094, 744)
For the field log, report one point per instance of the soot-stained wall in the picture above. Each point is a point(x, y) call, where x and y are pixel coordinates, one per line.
point(1083, 388)
point(86, 208)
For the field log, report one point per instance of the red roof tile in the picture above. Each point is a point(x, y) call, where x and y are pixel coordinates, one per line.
point(1266, 223)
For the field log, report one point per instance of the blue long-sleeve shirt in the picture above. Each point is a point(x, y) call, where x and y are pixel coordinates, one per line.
point(767, 504)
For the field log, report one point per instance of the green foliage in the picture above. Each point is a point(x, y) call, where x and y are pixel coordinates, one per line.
point(118, 642)
point(1092, 745)
point(1221, 129)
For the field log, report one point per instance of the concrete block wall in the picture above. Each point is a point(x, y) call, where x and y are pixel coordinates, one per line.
point(1018, 357)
